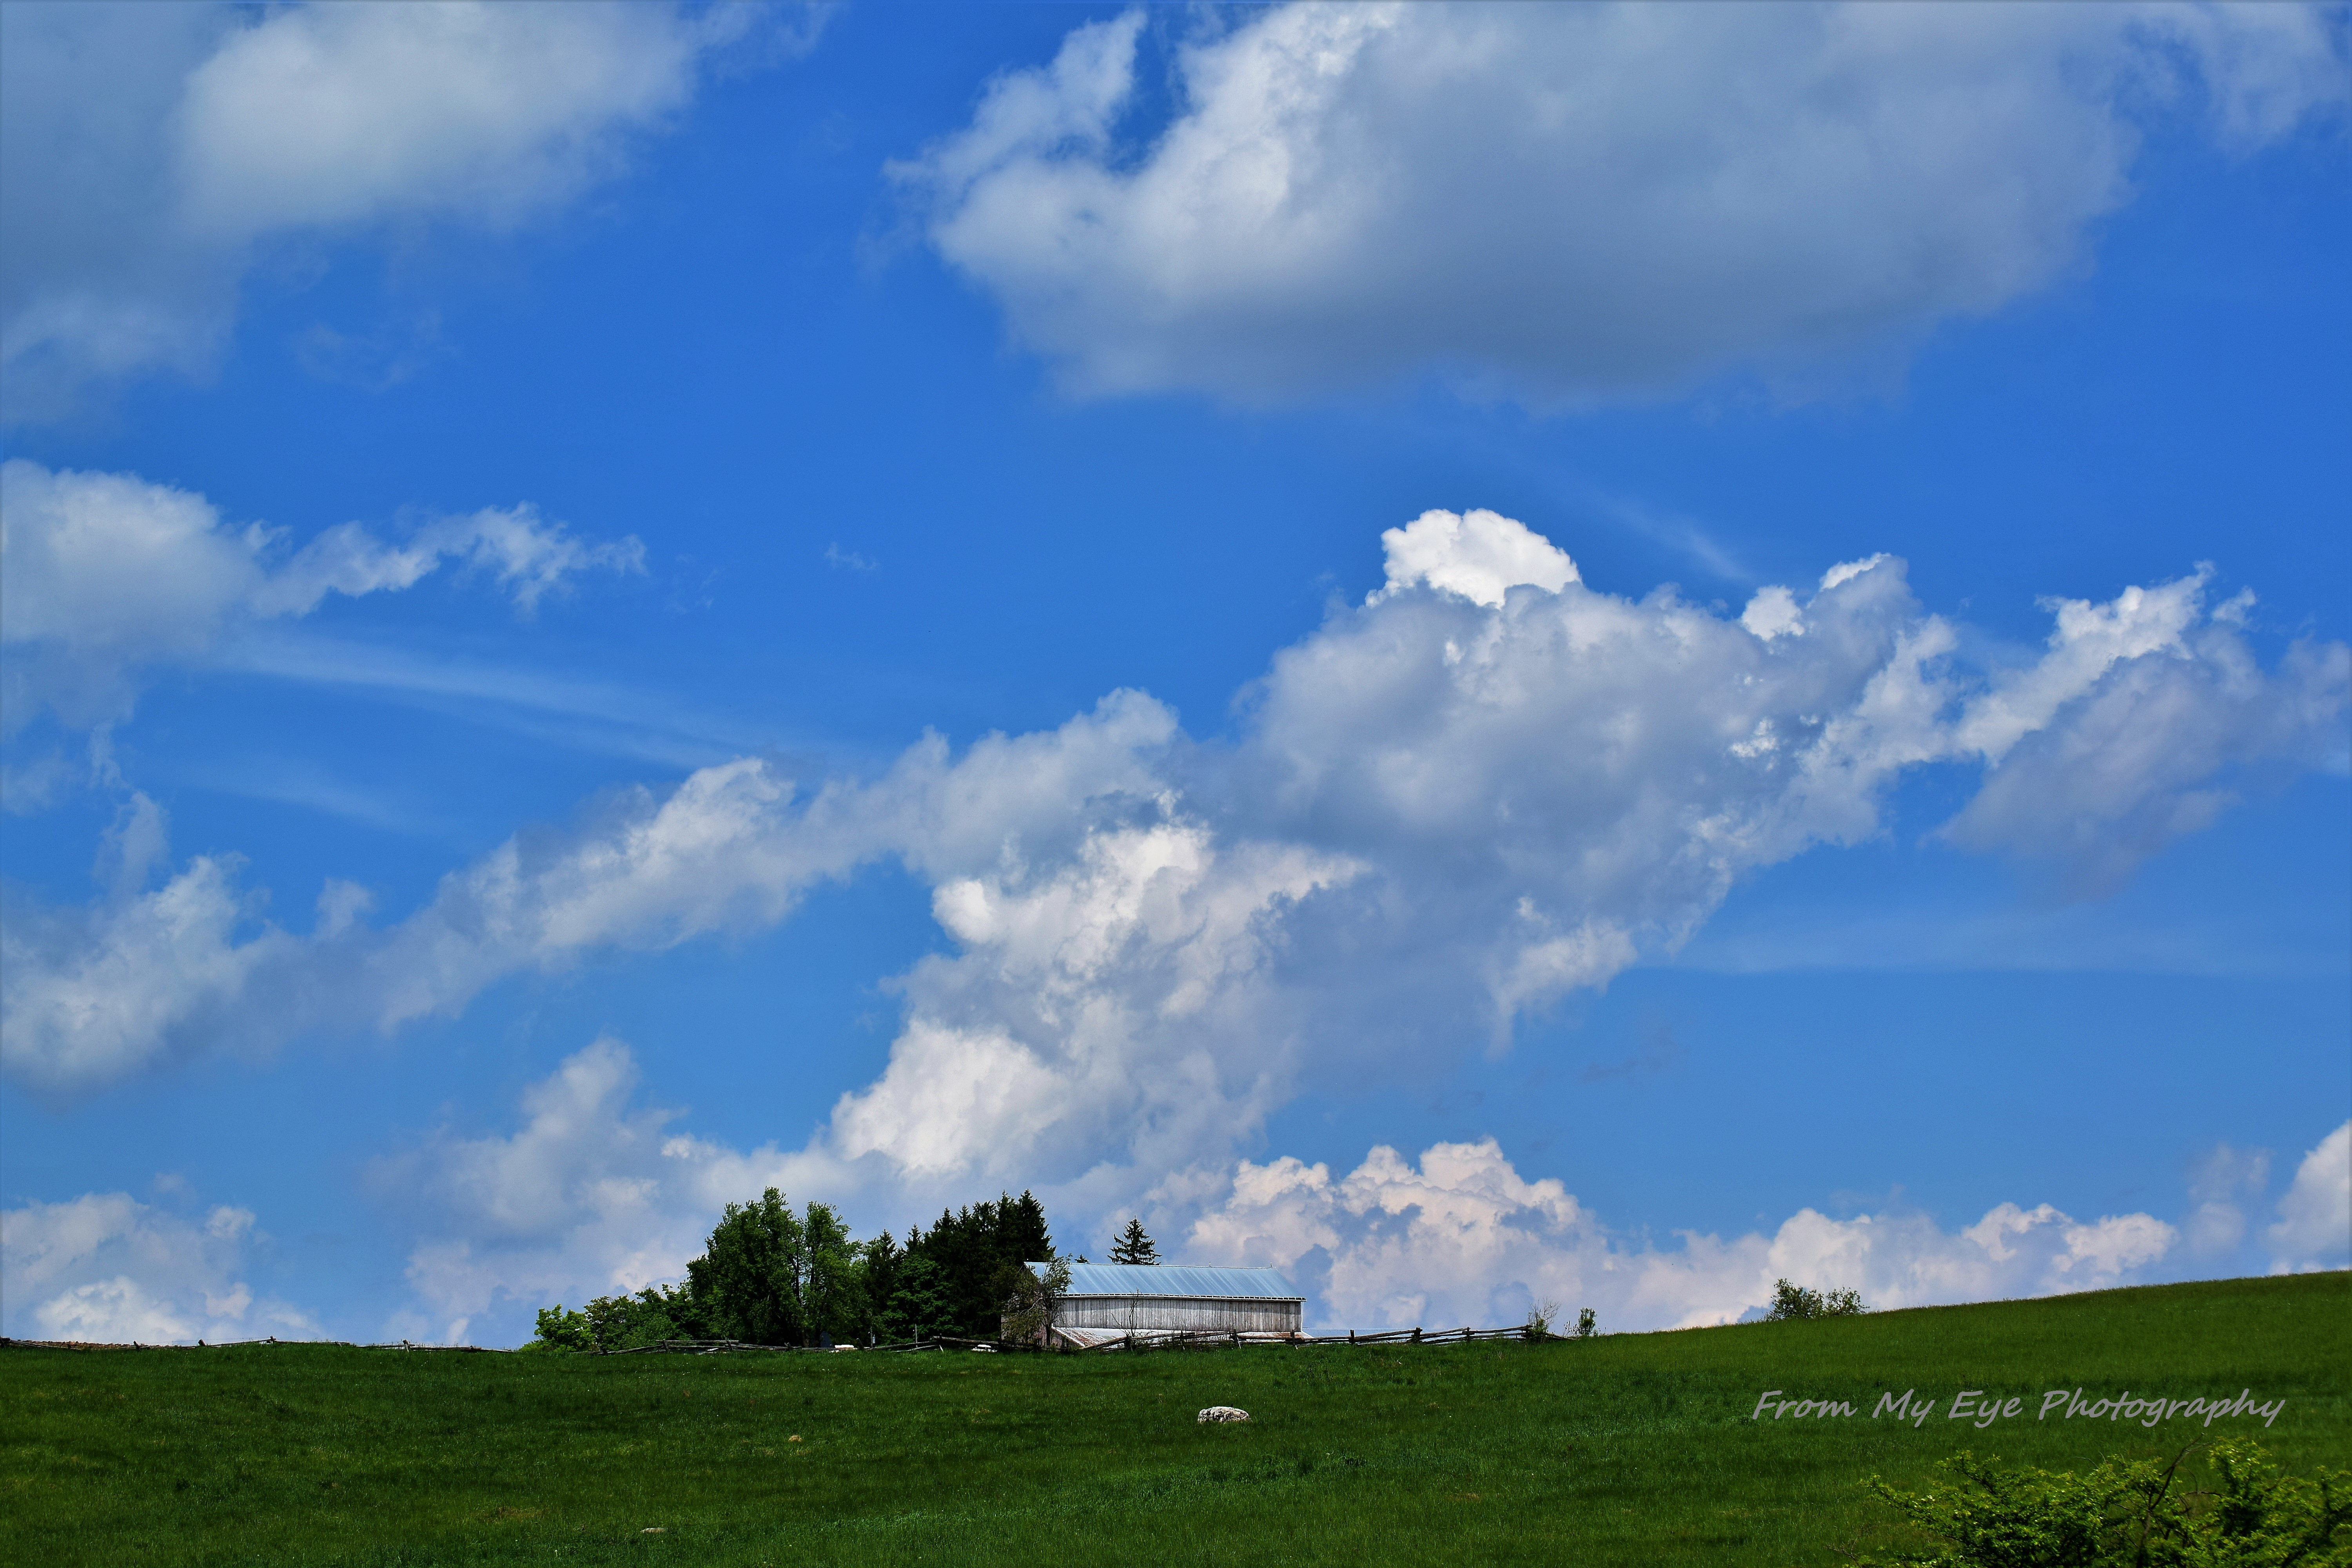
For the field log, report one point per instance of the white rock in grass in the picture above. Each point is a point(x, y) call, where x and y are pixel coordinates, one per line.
point(1223, 1413)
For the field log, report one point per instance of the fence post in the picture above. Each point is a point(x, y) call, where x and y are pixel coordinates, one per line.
point(1416, 1333)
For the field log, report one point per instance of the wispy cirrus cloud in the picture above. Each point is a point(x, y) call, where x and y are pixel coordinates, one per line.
point(560, 707)
point(104, 576)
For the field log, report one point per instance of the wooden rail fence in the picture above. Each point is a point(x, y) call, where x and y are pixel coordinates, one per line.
point(1141, 1339)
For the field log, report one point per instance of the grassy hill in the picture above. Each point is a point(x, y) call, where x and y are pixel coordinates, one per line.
point(1635, 1449)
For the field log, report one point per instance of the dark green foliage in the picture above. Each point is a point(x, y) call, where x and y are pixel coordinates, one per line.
point(747, 1279)
point(1623, 1451)
point(2127, 1513)
point(1793, 1303)
point(1133, 1246)
point(972, 1248)
point(773, 1278)
point(770, 1276)
point(1587, 1323)
point(624, 1322)
point(833, 1301)
point(917, 1306)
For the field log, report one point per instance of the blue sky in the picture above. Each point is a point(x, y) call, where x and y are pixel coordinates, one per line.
point(1582, 654)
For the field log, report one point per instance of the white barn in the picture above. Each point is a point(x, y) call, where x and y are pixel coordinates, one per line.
point(1109, 1301)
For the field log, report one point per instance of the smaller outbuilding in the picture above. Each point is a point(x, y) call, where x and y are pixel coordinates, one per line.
point(1107, 1302)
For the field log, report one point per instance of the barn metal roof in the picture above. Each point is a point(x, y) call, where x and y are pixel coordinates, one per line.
point(1177, 1280)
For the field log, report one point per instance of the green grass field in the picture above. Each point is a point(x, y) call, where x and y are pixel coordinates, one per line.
point(1634, 1449)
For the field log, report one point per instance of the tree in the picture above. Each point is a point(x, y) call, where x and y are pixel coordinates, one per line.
point(1794, 1303)
point(1133, 1246)
point(884, 1264)
point(918, 1304)
point(622, 1323)
point(773, 1278)
point(770, 1276)
point(832, 1278)
point(1031, 1295)
point(972, 1247)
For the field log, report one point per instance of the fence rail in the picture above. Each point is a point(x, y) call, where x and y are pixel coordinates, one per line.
point(1179, 1339)
point(1141, 1339)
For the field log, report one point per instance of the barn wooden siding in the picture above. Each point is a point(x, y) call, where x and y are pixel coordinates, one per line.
point(1202, 1315)
point(1114, 1299)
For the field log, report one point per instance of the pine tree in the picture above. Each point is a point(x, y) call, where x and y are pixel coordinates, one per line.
point(1133, 1246)
point(980, 1252)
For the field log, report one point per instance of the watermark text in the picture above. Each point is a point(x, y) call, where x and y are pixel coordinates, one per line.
point(1981, 1407)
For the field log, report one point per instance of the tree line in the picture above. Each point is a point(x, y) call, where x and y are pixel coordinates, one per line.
point(770, 1275)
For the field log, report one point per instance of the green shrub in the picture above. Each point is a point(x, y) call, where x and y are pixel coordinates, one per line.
point(560, 1328)
point(1793, 1302)
point(2128, 1513)
point(622, 1323)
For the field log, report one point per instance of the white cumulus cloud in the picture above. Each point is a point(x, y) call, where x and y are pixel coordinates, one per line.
point(2130, 730)
point(321, 115)
point(1481, 555)
point(2314, 1223)
point(108, 1268)
point(2220, 1184)
point(149, 150)
point(591, 1196)
point(1446, 808)
point(95, 993)
point(594, 1193)
point(104, 575)
point(1575, 201)
point(1462, 1238)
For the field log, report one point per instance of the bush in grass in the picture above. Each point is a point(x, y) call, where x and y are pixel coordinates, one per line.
point(1791, 1303)
point(621, 1322)
point(1542, 1315)
point(562, 1329)
point(2127, 1513)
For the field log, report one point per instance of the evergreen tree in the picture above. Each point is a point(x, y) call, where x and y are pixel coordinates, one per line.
point(1133, 1246)
point(973, 1248)
point(916, 1307)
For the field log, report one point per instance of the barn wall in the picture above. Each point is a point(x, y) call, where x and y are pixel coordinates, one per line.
point(1197, 1314)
